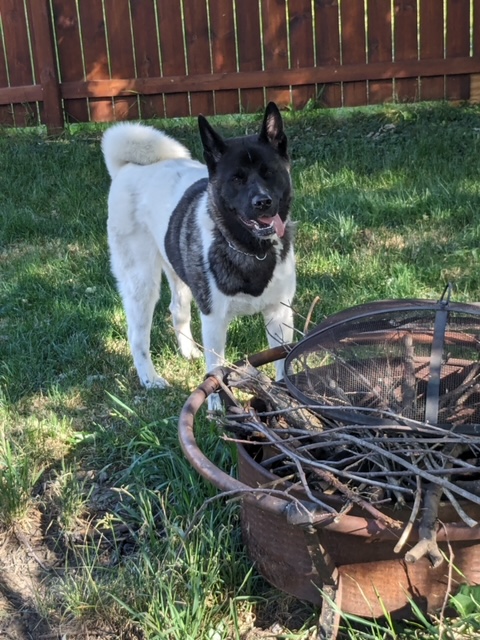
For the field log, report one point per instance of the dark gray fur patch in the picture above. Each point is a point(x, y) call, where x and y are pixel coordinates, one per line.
point(184, 248)
point(235, 272)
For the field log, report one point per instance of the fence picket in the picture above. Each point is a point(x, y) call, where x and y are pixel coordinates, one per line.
point(120, 50)
point(457, 44)
point(431, 46)
point(44, 59)
point(353, 49)
point(475, 27)
point(198, 53)
point(18, 59)
point(379, 39)
point(6, 110)
point(275, 46)
point(249, 50)
point(327, 43)
point(475, 78)
point(170, 26)
point(92, 27)
point(405, 43)
point(300, 21)
point(223, 41)
point(70, 55)
point(147, 54)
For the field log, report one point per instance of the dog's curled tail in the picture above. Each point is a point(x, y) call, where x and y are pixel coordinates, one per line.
point(134, 143)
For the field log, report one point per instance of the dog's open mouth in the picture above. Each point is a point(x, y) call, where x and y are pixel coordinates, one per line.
point(266, 226)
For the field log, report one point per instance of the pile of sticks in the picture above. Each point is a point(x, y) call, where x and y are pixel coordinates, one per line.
point(407, 464)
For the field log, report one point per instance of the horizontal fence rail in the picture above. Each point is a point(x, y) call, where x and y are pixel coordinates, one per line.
point(64, 61)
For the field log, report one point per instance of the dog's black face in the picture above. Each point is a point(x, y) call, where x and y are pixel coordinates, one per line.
point(250, 178)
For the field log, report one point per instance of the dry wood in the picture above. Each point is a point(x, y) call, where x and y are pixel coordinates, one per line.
point(248, 378)
point(411, 520)
point(354, 497)
point(328, 477)
point(308, 319)
point(427, 545)
point(367, 465)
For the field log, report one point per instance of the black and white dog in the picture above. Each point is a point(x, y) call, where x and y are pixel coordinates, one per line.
point(221, 233)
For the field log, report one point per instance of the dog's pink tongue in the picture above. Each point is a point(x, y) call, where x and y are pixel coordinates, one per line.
point(278, 224)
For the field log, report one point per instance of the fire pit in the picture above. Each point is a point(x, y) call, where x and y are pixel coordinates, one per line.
point(375, 500)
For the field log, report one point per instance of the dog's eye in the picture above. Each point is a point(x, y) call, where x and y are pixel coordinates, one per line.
point(238, 178)
point(267, 174)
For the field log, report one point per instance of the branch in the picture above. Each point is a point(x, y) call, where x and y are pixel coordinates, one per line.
point(427, 544)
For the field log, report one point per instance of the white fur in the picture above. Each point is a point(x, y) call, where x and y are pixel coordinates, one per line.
point(150, 172)
point(136, 143)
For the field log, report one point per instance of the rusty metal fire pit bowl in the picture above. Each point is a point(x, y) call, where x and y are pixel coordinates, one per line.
point(351, 556)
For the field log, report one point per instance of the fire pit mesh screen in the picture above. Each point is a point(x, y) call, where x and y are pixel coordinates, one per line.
point(412, 359)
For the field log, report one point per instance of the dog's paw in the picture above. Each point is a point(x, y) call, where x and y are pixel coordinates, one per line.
point(215, 405)
point(195, 353)
point(157, 382)
point(188, 349)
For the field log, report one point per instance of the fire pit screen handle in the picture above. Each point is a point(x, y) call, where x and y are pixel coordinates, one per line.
point(436, 357)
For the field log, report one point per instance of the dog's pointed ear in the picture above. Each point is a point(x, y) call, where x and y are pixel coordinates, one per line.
point(213, 143)
point(272, 130)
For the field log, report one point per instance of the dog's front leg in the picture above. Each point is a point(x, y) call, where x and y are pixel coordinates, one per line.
point(279, 327)
point(139, 301)
point(180, 310)
point(214, 335)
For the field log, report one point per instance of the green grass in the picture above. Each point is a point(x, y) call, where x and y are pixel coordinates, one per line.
point(387, 203)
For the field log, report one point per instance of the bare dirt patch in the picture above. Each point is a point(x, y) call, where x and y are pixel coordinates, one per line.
point(28, 561)
point(24, 561)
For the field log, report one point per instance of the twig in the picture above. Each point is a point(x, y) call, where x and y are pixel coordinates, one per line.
point(472, 486)
point(414, 470)
point(22, 538)
point(308, 319)
point(251, 379)
point(448, 589)
point(427, 544)
point(357, 499)
point(454, 396)
point(329, 477)
point(398, 495)
point(304, 482)
point(411, 521)
point(463, 515)
point(321, 465)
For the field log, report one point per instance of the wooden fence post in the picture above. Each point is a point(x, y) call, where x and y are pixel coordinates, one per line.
point(45, 64)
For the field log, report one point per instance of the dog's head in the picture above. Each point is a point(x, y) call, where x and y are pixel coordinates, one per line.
point(250, 176)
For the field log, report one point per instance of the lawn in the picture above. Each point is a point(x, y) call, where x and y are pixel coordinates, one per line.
point(96, 498)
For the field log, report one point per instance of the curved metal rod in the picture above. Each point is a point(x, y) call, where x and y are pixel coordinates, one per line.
point(345, 524)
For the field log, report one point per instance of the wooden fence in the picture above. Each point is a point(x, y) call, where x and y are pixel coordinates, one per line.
point(102, 60)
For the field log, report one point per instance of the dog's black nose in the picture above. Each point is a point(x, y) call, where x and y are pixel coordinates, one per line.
point(262, 202)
